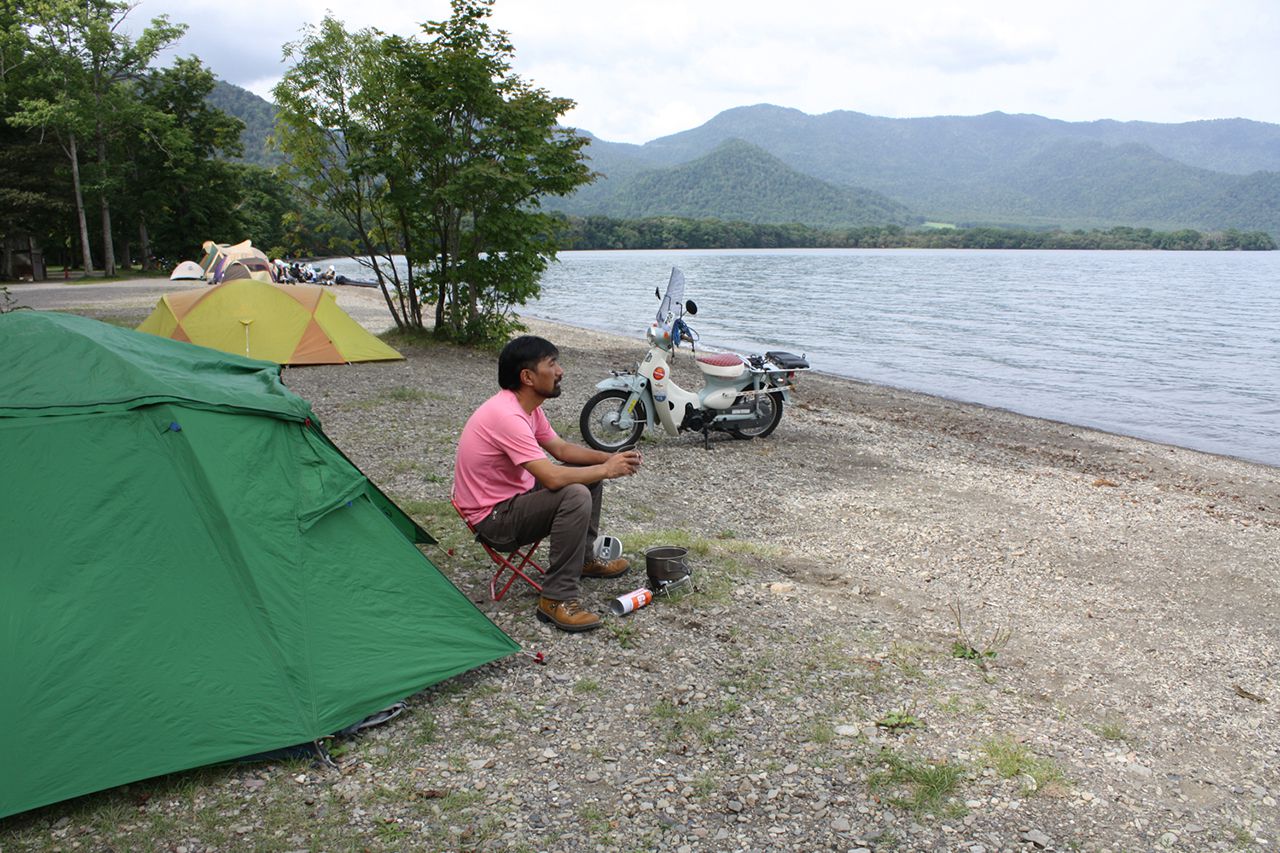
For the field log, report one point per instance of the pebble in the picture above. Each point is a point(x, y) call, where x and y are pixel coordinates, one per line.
point(1037, 838)
point(841, 825)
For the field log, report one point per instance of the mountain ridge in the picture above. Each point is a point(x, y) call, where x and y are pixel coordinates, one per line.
point(1006, 169)
point(996, 167)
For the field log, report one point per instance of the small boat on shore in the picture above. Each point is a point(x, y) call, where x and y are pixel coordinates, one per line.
point(342, 279)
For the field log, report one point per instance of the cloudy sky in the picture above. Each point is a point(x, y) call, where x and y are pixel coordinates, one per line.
point(640, 70)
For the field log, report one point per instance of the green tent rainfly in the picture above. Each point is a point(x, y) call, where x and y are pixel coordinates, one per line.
point(190, 571)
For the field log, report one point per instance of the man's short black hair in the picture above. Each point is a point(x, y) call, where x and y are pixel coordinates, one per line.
point(522, 353)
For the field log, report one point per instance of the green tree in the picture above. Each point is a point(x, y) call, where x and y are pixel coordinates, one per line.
point(326, 106)
point(492, 147)
point(31, 187)
point(85, 90)
point(432, 147)
point(180, 189)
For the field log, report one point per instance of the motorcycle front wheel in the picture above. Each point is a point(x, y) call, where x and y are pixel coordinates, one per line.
point(600, 417)
point(770, 416)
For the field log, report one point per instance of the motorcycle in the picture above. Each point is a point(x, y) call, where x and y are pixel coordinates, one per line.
point(741, 396)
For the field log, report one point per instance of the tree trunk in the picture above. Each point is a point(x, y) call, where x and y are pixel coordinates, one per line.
point(108, 245)
point(84, 224)
point(144, 243)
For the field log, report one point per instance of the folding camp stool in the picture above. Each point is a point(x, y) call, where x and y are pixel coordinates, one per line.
point(508, 563)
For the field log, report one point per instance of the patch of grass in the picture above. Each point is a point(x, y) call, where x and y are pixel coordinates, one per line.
point(754, 677)
point(389, 395)
point(403, 338)
point(457, 800)
point(623, 632)
point(703, 724)
point(1241, 839)
point(1111, 730)
point(822, 732)
point(704, 785)
point(438, 517)
point(1010, 759)
point(404, 395)
point(424, 727)
point(118, 320)
point(907, 658)
point(392, 832)
point(586, 685)
point(919, 786)
point(595, 821)
point(955, 704)
point(978, 651)
point(900, 720)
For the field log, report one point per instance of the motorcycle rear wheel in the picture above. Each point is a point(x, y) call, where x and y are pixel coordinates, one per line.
point(771, 416)
point(599, 419)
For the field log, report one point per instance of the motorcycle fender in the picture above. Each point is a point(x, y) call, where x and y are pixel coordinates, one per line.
point(633, 385)
point(620, 383)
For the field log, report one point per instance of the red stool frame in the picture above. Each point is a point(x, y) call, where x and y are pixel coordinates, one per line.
point(507, 563)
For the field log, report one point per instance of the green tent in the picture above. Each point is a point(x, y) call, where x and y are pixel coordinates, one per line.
point(190, 571)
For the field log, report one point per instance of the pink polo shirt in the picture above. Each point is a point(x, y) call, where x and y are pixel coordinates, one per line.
point(499, 438)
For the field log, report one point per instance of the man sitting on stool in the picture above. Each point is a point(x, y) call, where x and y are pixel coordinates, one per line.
point(512, 494)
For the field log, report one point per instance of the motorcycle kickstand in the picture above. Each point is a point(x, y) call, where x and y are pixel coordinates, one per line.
point(706, 439)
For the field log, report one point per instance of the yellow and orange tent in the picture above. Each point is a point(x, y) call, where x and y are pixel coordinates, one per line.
point(287, 324)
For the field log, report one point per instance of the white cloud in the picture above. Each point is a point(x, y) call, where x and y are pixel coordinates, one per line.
point(639, 70)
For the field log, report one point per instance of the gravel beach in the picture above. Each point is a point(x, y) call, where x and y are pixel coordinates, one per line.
point(918, 625)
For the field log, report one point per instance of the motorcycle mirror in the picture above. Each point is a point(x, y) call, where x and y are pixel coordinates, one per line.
point(657, 293)
point(691, 308)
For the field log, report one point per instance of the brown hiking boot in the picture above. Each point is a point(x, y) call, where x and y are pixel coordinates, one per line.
point(566, 615)
point(601, 569)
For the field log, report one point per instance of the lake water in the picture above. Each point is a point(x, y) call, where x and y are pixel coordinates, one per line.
point(1177, 347)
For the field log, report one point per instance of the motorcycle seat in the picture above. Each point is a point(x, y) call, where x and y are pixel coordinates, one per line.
point(725, 365)
point(720, 359)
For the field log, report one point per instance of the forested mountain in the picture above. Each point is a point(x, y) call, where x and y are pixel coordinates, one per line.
point(258, 115)
point(997, 168)
point(848, 168)
point(738, 181)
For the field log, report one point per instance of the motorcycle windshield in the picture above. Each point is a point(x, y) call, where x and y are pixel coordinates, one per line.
point(672, 305)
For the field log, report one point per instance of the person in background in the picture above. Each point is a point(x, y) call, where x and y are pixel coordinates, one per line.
point(513, 494)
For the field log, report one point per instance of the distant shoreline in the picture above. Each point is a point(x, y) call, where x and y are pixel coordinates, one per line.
point(603, 233)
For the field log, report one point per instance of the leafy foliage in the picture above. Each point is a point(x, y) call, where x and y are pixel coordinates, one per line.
point(34, 187)
point(434, 149)
point(82, 90)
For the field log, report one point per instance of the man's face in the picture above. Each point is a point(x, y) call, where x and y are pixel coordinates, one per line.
point(545, 378)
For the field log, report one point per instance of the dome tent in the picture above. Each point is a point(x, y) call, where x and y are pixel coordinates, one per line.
point(187, 271)
point(287, 324)
point(218, 256)
point(192, 571)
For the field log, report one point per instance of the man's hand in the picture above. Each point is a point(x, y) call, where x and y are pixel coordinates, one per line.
point(624, 463)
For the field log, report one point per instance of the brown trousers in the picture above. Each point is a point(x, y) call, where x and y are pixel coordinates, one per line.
point(569, 515)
